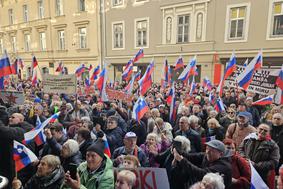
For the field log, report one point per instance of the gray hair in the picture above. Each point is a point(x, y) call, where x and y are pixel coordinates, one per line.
point(52, 161)
point(130, 177)
point(213, 120)
point(214, 180)
point(186, 143)
point(193, 119)
point(72, 145)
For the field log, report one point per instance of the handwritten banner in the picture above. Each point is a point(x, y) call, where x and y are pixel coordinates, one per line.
point(118, 95)
point(12, 97)
point(59, 83)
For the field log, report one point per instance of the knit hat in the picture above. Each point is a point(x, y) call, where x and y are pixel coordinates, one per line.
point(97, 147)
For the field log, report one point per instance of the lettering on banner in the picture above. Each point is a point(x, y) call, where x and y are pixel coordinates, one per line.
point(59, 83)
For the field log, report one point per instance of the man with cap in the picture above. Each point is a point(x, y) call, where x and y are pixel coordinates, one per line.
point(130, 148)
point(238, 131)
point(193, 167)
point(96, 172)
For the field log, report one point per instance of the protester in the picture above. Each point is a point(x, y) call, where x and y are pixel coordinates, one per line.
point(125, 180)
point(70, 154)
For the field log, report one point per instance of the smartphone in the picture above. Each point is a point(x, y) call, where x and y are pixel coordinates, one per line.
point(72, 168)
point(177, 145)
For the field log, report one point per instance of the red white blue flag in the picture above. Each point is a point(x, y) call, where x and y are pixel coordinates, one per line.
point(140, 108)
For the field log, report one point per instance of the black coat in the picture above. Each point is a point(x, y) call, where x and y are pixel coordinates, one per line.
point(52, 181)
point(74, 159)
point(84, 146)
point(53, 147)
point(7, 135)
point(277, 135)
point(194, 138)
point(193, 168)
point(114, 138)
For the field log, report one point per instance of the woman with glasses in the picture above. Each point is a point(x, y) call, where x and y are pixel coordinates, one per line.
point(228, 119)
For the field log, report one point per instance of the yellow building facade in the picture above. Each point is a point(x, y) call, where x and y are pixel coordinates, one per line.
point(53, 31)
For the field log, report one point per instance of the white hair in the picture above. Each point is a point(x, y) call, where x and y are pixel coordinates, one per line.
point(193, 119)
point(214, 180)
point(129, 175)
point(72, 145)
point(186, 143)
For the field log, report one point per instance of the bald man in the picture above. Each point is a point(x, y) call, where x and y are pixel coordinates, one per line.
point(14, 131)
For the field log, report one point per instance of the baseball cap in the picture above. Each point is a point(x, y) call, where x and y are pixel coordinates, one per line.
point(243, 114)
point(216, 144)
point(130, 135)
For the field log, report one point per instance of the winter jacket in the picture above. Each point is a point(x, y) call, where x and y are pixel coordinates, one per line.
point(53, 147)
point(264, 154)
point(84, 146)
point(277, 135)
point(52, 181)
point(114, 138)
point(74, 159)
point(194, 138)
point(101, 179)
point(193, 168)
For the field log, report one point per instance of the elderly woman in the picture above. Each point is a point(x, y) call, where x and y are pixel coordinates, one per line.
point(49, 175)
point(214, 129)
point(70, 153)
point(228, 119)
point(241, 173)
point(210, 181)
point(125, 180)
point(130, 162)
point(162, 129)
point(152, 144)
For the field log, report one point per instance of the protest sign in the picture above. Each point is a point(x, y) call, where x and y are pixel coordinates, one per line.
point(119, 95)
point(150, 178)
point(59, 83)
point(263, 82)
point(12, 97)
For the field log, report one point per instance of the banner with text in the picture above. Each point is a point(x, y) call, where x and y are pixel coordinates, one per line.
point(12, 97)
point(118, 95)
point(263, 81)
point(150, 178)
point(59, 83)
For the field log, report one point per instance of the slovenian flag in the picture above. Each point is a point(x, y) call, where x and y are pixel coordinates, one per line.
point(5, 67)
point(40, 138)
point(80, 70)
point(106, 146)
point(264, 101)
point(179, 63)
point(22, 156)
point(138, 56)
point(231, 66)
point(219, 106)
point(140, 108)
point(146, 81)
point(189, 70)
point(256, 180)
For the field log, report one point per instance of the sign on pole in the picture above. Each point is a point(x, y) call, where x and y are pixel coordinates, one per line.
point(59, 83)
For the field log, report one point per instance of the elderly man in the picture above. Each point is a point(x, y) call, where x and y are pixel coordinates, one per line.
point(96, 172)
point(14, 131)
point(49, 175)
point(277, 133)
point(199, 164)
point(238, 131)
point(130, 148)
point(262, 151)
point(192, 135)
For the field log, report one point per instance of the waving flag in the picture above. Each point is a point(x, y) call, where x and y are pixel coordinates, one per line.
point(30, 136)
point(264, 101)
point(40, 138)
point(245, 78)
point(138, 76)
point(80, 70)
point(106, 146)
point(279, 83)
point(126, 75)
point(101, 84)
point(219, 106)
point(165, 74)
point(170, 95)
point(220, 87)
point(246, 62)
point(130, 86)
point(211, 97)
point(173, 108)
point(179, 63)
point(207, 84)
point(34, 78)
point(22, 156)
point(15, 68)
point(256, 180)
point(5, 67)
point(231, 66)
point(189, 70)
point(193, 87)
point(140, 108)
point(90, 67)
point(146, 81)
point(95, 73)
point(60, 67)
point(138, 56)
point(87, 82)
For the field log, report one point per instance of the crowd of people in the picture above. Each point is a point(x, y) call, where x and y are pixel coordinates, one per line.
point(200, 148)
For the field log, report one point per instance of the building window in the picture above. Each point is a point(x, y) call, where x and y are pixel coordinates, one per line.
point(141, 33)
point(45, 70)
point(11, 16)
point(40, 9)
point(183, 29)
point(199, 27)
point(14, 43)
point(168, 29)
point(277, 19)
point(1, 46)
point(61, 40)
point(118, 35)
point(25, 13)
point(27, 42)
point(82, 38)
point(81, 5)
point(117, 2)
point(42, 40)
point(59, 7)
point(237, 22)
